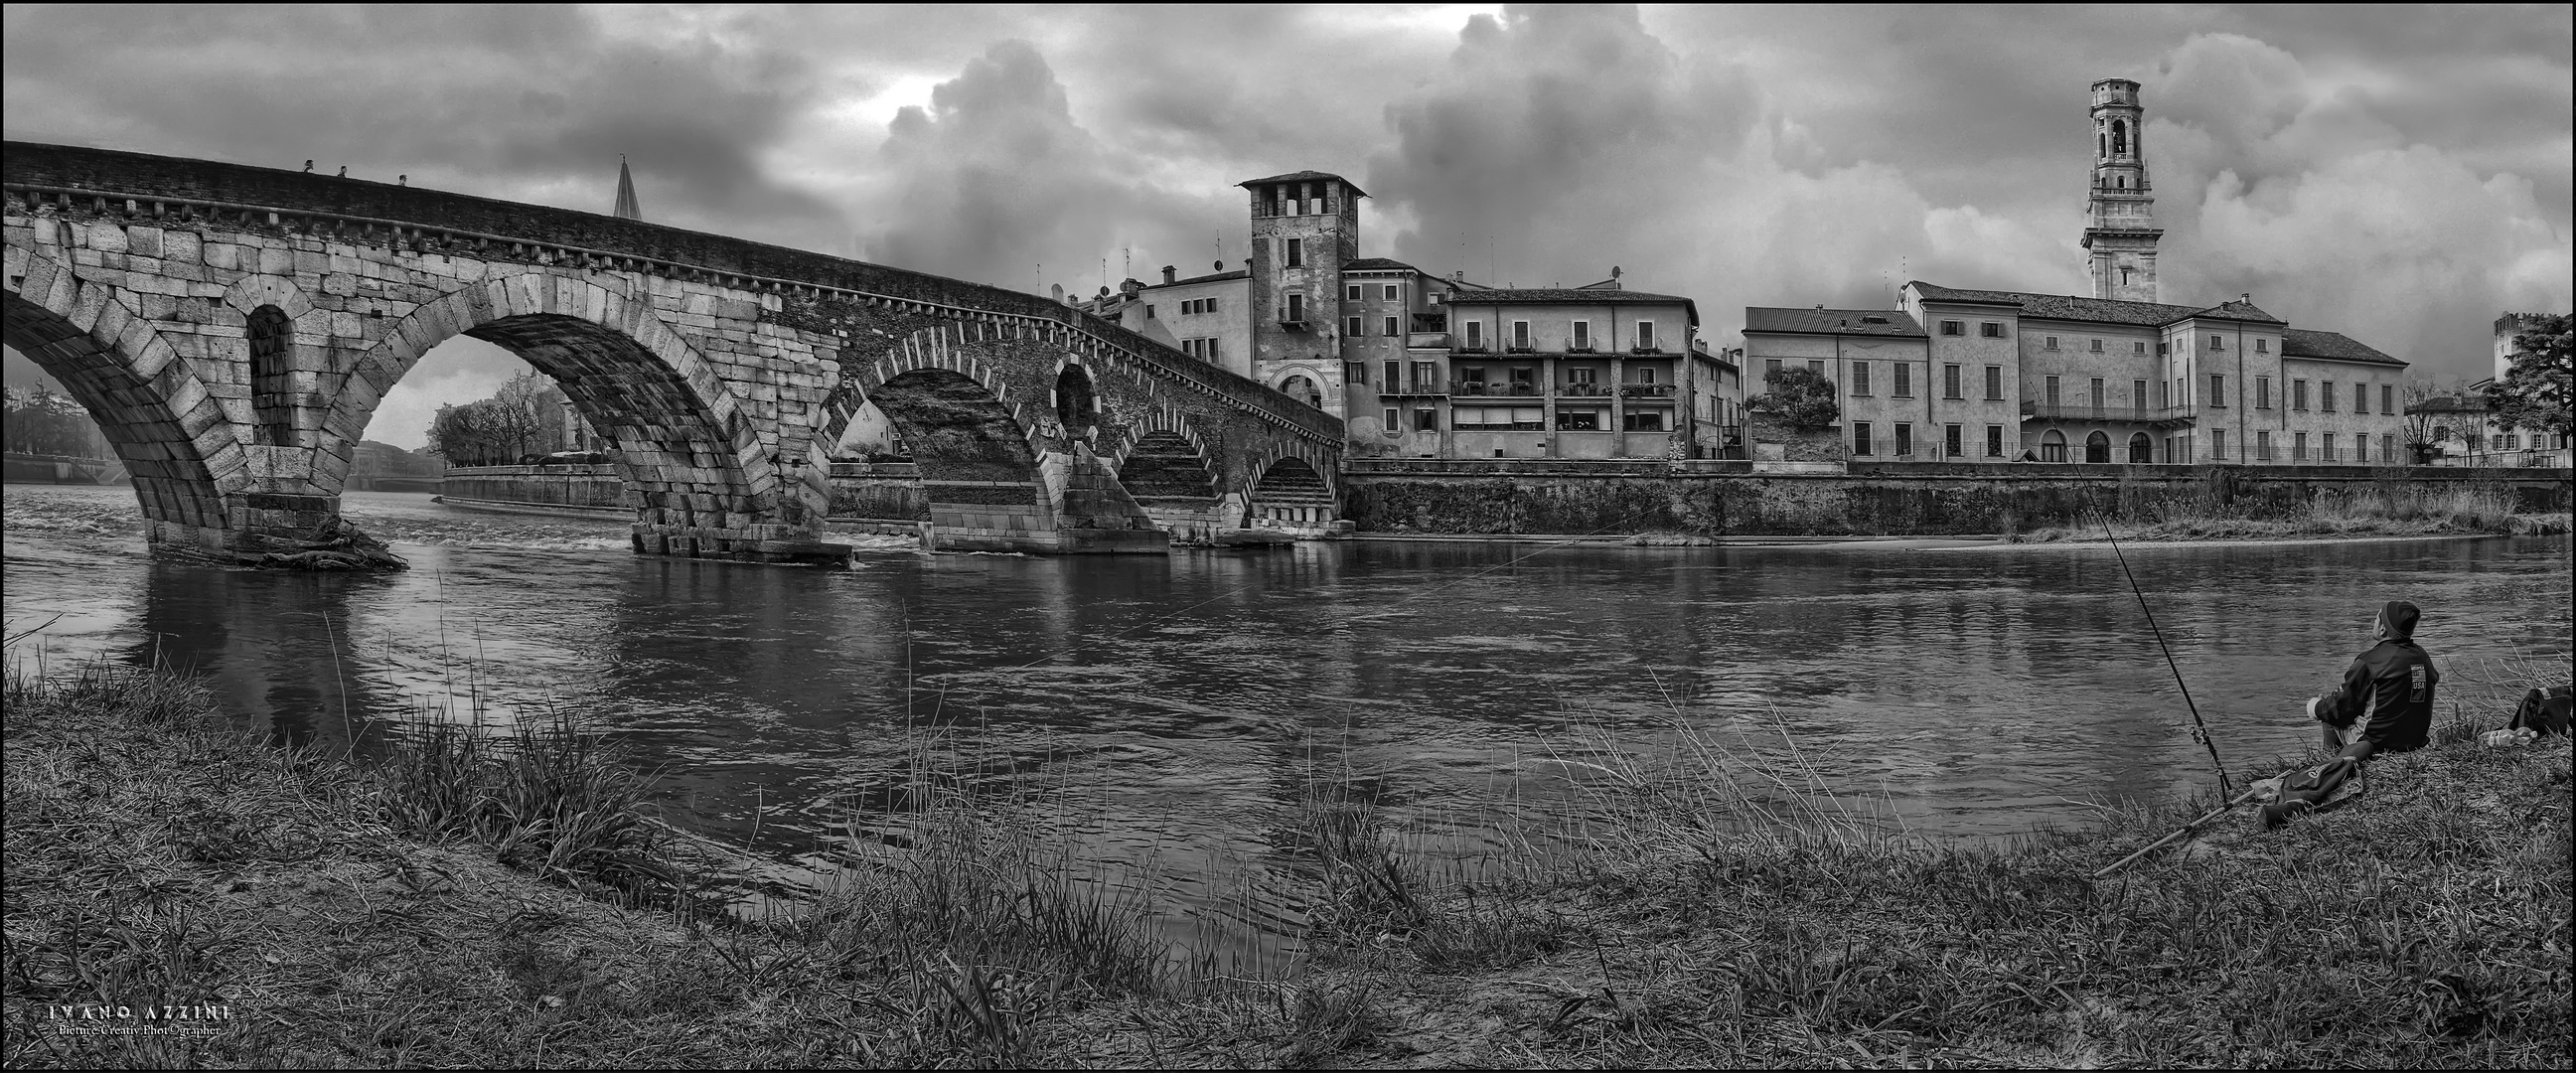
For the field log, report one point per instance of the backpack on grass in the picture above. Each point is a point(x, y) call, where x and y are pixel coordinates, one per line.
point(2545, 711)
point(2310, 790)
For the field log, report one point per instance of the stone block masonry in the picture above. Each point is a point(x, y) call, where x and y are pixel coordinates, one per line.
point(233, 329)
point(1728, 499)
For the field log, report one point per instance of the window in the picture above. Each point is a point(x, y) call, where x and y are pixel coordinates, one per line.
point(2218, 390)
point(2138, 347)
point(1207, 305)
point(1351, 293)
point(2513, 441)
point(1578, 420)
point(1208, 349)
point(1952, 327)
point(2361, 398)
point(2218, 443)
point(2325, 396)
point(2096, 387)
point(2217, 342)
point(1582, 335)
point(1950, 386)
point(2052, 391)
point(2298, 447)
point(2262, 346)
point(1994, 383)
point(1520, 335)
point(1770, 368)
point(1296, 253)
point(1994, 441)
point(1393, 376)
point(1426, 419)
point(1355, 372)
point(2138, 394)
point(2097, 346)
point(1904, 382)
point(1351, 326)
point(1392, 424)
point(1149, 311)
point(1860, 438)
point(1644, 421)
point(1425, 377)
point(1388, 292)
point(1579, 376)
point(1904, 439)
point(2387, 398)
point(1646, 374)
point(2162, 401)
point(2298, 395)
point(1646, 335)
point(2387, 448)
point(2496, 442)
point(2262, 393)
point(1991, 330)
point(2051, 344)
point(1391, 328)
point(1950, 441)
point(1860, 378)
point(1297, 308)
point(1817, 367)
point(2263, 446)
point(2325, 447)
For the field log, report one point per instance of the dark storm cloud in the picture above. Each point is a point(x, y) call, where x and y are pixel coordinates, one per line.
point(530, 104)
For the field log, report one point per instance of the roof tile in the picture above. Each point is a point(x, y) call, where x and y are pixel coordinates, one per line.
point(1830, 321)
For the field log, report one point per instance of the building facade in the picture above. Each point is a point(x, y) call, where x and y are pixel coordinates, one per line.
point(2462, 431)
point(1423, 366)
point(1958, 375)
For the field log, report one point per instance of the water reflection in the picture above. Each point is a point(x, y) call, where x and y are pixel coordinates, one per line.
point(1180, 702)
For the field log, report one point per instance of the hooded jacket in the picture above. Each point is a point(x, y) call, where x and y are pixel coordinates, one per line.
point(2389, 691)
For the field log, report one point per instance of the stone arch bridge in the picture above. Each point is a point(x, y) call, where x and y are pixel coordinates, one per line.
point(233, 329)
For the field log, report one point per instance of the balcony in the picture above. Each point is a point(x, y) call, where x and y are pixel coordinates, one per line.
point(1581, 348)
point(1418, 387)
point(1515, 388)
point(1292, 325)
point(1421, 340)
point(2035, 410)
point(1579, 391)
point(1646, 391)
point(1649, 349)
point(1521, 348)
point(1475, 348)
point(1430, 322)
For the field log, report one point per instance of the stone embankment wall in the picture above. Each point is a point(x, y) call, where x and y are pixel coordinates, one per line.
point(1728, 498)
point(597, 487)
point(880, 490)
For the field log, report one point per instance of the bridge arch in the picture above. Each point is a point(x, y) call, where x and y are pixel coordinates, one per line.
point(183, 452)
point(1292, 490)
point(1172, 475)
point(977, 447)
point(680, 436)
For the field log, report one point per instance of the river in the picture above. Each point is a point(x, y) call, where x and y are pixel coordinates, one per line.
point(1176, 703)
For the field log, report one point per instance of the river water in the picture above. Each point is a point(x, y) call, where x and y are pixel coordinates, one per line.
point(1177, 703)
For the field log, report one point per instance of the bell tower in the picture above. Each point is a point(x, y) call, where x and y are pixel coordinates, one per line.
point(2120, 230)
point(1305, 227)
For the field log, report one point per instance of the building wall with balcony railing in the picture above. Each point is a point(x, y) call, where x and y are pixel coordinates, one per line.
point(1612, 326)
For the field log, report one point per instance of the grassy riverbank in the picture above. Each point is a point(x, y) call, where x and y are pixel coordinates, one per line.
point(501, 907)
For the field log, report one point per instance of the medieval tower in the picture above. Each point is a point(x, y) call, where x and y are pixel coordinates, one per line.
point(1305, 226)
point(2120, 230)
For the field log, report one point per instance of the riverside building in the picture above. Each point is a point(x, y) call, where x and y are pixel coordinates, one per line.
point(1960, 375)
point(1418, 365)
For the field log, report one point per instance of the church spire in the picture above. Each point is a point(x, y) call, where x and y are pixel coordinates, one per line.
point(626, 207)
point(2120, 230)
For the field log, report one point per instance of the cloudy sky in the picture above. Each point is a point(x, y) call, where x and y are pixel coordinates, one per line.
point(2398, 174)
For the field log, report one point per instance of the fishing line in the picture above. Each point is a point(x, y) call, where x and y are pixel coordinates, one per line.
point(2199, 730)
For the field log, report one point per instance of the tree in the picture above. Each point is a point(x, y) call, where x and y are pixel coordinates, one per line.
point(2539, 387)
point(2422, 430)
point(497, 431)
point(1802, 397)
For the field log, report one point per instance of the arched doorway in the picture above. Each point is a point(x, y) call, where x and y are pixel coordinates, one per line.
point(2052, 447)
point(2097, 448)
point(2141, 450)
point(1303, 389)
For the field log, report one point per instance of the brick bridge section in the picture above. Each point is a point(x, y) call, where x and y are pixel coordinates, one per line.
point(233, 329)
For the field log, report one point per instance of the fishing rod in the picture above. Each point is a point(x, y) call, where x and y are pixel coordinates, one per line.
point(2178, 832)
point(2199, 730)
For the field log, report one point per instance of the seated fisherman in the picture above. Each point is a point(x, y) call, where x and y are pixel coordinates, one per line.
point(2386, 703)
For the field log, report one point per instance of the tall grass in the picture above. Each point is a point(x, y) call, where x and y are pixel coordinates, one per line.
point(547, 796)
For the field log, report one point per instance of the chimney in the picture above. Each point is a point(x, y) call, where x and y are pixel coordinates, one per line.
point(2247, 298)
point(1171, 275)
point(1059, 294)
